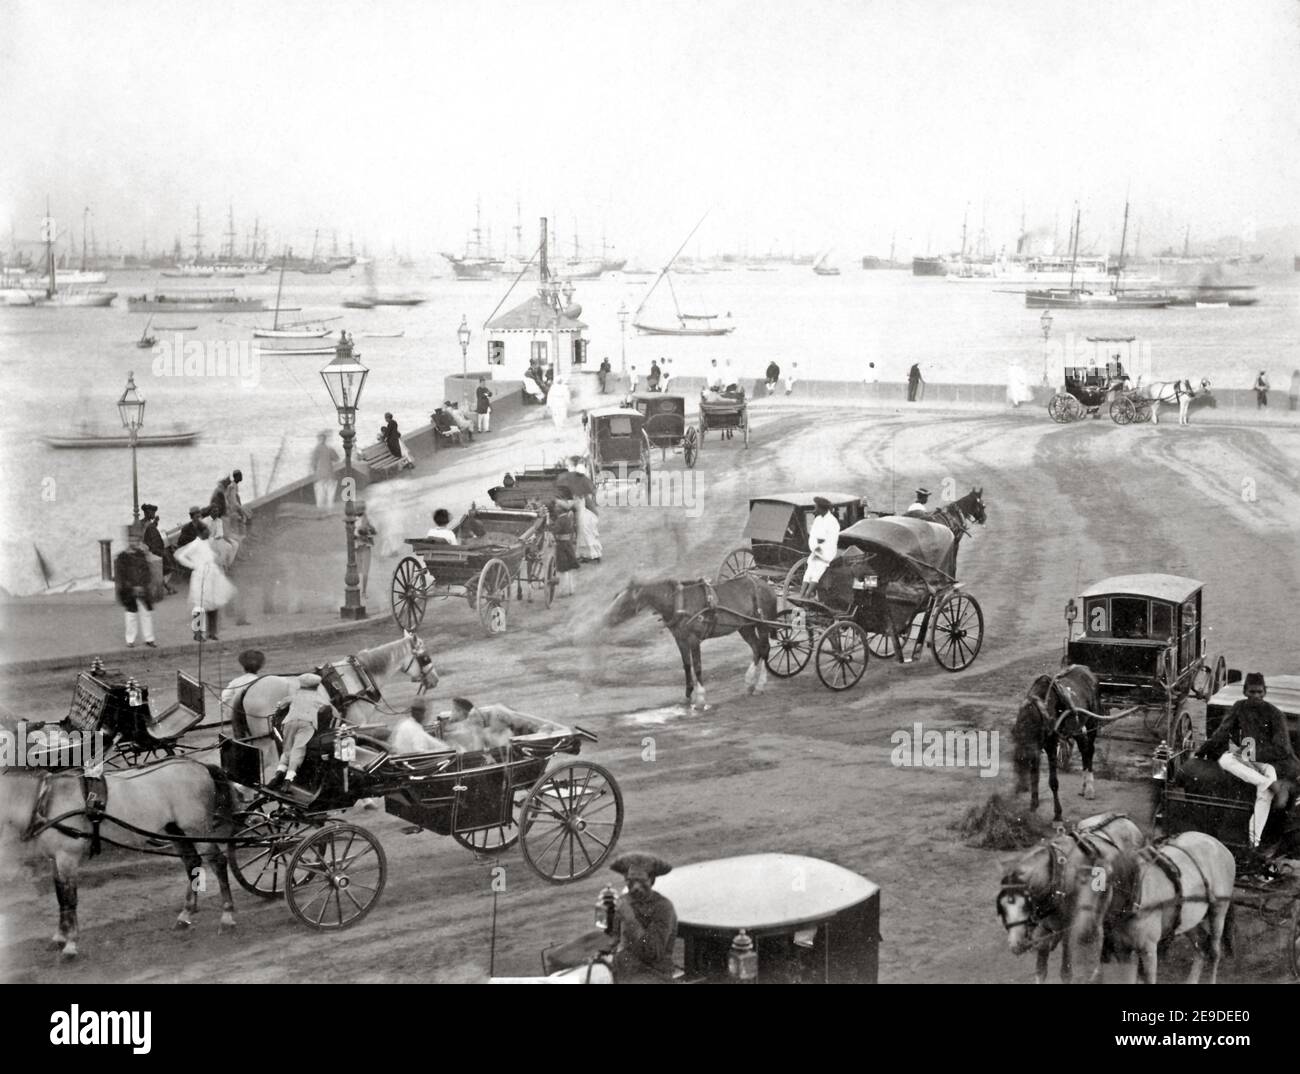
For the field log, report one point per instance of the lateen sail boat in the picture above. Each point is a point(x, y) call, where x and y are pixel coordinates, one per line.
point(692, 324)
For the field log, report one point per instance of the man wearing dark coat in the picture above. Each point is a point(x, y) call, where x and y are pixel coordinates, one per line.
point(1253, 743)
point(645, 923)
point(133, 581)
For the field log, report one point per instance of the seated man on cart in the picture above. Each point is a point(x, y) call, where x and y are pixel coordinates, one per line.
point(1253, 743)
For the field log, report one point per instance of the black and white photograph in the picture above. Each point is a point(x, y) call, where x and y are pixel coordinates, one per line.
point(628, 492)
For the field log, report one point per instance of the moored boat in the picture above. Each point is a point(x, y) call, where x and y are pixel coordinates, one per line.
point(88, 439)
point(195, 302)
point(929, 266)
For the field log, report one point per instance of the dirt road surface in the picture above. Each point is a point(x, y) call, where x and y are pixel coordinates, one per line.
point(796, 769)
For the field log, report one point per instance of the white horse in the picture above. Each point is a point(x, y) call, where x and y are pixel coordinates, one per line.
point(1171, 392)
point(407, 655)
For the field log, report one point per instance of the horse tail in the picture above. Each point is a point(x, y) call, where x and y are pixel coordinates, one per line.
point(1227, 932)
point(223, 809)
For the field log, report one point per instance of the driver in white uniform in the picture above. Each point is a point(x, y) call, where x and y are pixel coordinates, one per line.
point(823, 544)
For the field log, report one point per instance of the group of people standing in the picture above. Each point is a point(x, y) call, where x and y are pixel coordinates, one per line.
point(205, 548)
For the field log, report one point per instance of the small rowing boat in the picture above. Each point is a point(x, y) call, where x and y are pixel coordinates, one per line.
point(120, 440)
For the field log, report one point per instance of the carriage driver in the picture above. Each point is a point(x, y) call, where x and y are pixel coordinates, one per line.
point(645, 923)
point(299, 725)
point(919, 504)
point(823, 543)
point(1254, 744)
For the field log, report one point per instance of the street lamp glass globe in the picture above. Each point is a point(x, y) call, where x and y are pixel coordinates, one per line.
point(462, 333)
point(344, 378)
point(131, 405)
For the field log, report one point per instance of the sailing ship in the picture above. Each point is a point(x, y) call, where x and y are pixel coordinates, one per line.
point(53, 295)
point(687, 325)
point(295, 329)
point(475, 264)
point(1075, 297)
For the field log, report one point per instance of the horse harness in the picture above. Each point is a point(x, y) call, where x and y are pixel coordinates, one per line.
point(1157, 856)
point(1041, 905)
point(94, 789)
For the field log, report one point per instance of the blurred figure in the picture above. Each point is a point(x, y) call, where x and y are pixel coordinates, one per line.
point(1261, 390)
point(365, 541)
point(323, 460)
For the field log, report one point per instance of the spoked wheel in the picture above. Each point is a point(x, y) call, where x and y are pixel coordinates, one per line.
point(1141, 410)
point(1219, 677)
point(791, 644)
point(260, 867)
point(880, 645)
point(841, 655)
point(489, 840)
point(1122, 411)
point(691, 446)
point(410, 592)
point(492, 596)
point(550, 578)
point(958, 632)
point(794, 579)
point(1184, 739)
point(337, 876)
point(739, 561)
point(1059, 408)
point(570, 821)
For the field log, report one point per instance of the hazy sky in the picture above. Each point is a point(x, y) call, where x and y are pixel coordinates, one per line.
point(814, 123)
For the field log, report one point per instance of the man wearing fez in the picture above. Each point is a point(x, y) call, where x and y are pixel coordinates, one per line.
point(1253, 743)
point(645, 923)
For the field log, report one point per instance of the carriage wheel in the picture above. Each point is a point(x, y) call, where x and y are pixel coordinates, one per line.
point(410, 592)
point(489, 840)
point(841, 655)
point(1183, 738)
point(1142, 410)
point(880, 645)
point(550, 578)
point(493, 596)
point(570, 821)
point(958, 632)
point(1059, 408)
point(337, 876)
point(1219, 677)
point(1122, 411)
point(791, 644)
point(260, 867)
point(691, 446)
point(739, 561)
point(794, 579)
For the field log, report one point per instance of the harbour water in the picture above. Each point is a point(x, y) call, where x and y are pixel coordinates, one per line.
point(64, 366)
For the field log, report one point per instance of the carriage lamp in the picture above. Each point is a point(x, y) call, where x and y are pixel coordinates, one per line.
point(133, 696)
point(97, 666)
point(742, 959)
point(606, 902)
point(131, 408)
point(1160, 761)
point(345, 378)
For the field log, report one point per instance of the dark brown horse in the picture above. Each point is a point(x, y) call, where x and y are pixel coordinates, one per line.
point(699, 609)
point(1056, 706)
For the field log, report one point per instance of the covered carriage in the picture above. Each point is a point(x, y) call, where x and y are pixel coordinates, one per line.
point(890, 592)
point(777, 531)
point(290, 844)
point(666, 425)
point(1142, 636)
point(500, 550)
point(618, 445)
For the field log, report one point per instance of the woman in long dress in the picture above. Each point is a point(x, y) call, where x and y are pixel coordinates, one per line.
point(558, 401)
point(210, 589)
point(582, 500)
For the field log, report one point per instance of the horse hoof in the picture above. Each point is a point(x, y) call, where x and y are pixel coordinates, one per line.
point(68, 954)
point(182, 925)
point(749, 690)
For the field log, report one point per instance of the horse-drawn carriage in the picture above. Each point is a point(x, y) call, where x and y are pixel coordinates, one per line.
point(666, 425)
point(532, 485)
point(777, 530)
point(1141, 635)
point(499, 550)
point(727, 411)
point(1089, 388)
point(288, 843)
point(891, 591)
point(618, 445)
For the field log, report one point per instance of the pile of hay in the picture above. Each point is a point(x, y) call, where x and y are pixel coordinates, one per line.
point(1000, 824)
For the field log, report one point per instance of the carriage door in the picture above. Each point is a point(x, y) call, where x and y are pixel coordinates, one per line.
point(1189, 642)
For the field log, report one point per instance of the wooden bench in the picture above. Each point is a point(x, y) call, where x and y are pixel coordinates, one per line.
point(379, 459)
point(451, 434)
